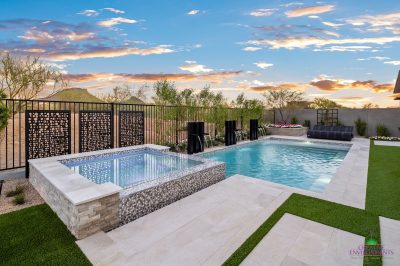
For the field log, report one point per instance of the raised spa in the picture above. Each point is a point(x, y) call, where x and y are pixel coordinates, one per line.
point(103, 189)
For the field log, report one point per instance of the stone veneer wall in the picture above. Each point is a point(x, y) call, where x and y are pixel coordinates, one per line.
point(84, 219)
point(138, 204)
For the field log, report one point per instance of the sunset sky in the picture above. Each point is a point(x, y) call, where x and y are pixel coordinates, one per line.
point(348, 51)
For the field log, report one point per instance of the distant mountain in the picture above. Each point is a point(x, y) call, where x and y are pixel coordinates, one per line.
point(73, 94)
point(134, 100)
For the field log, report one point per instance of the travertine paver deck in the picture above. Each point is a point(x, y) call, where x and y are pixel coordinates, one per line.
point(390, 237)
point(202, 229)
point(298, 241)
point(387, 143)
point(208, 226)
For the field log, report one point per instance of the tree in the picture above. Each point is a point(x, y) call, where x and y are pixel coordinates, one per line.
point(324, 103)
point(124, 93)
point(26, 77)
point(282, 100)
point(370, 106)
point(247, 109)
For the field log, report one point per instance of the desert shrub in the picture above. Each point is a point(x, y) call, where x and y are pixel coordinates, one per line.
point(293, 120)
point(4, 112)
point(17, 191)
point(361, 126)
point(19, 199)
point(382, 131)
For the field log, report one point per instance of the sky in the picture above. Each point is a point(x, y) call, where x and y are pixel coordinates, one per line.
point(347, 51)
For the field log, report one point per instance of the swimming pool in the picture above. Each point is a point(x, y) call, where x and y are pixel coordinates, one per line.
point(301, 164)
point(129, 168)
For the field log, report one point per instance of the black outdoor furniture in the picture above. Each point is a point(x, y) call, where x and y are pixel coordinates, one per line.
point(331, 132)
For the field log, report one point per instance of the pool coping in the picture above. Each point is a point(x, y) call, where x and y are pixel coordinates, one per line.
point(78, 189)
point(347, 186)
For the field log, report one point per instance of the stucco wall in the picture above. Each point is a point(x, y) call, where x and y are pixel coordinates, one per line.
point(390, 117)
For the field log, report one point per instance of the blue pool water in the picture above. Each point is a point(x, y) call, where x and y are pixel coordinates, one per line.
point(297, 164)
point(129, 168)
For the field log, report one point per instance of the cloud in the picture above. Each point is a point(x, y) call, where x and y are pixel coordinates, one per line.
point(116, 21)
point(351, 99)
point(345, 49)
point(310, 10)
point(263, 65)
point(183, 77)
point(331, 24)
point(89, 13)
point(337, 84)
point(314, 17)
point(114, 10)
point(63, 34)
point(264, 88)
point(107, 52)
point(58, 41)
point(395, 63)
point(263, 12)
point(304, 42)
point(195, 68)
point(251, 49)
point(193, 12)
point(378, 22)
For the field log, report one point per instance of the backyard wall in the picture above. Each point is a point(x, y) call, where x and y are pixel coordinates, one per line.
point(390, 117)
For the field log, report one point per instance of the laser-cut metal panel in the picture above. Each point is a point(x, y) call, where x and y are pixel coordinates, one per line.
point(47, 134)
point(131, 128)
point(96, 130)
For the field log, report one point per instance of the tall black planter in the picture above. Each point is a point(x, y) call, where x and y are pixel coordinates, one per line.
point(253, 129)
point(230, 137)
point(195, 136)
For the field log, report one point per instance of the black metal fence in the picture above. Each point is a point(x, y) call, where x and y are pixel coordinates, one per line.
point(162, 124)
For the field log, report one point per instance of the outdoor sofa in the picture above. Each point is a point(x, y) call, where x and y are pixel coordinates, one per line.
point(331, 132)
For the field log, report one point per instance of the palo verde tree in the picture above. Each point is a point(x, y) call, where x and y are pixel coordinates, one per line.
point(284, 101)
point(125, 94)
point(26, 77)
point(247, 109)
point(324, 103)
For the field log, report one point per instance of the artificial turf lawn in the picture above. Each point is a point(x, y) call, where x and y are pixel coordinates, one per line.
point(383, 191)
point(343, 217)
point(35, 236)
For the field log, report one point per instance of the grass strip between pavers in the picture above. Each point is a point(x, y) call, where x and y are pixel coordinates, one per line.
point(339, 216)
point(35, 236)
point(383, 191)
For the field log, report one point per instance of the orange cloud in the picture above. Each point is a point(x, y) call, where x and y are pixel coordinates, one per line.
point(211, 77)
point(310, 10)
point(327, 85)
point(277, 87)
point(334, 85)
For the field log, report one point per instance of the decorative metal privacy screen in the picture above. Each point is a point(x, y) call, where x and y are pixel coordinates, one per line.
point(131, 128)
point(96, 130)
point(47, 133)
point(328, 117)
